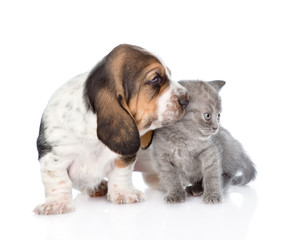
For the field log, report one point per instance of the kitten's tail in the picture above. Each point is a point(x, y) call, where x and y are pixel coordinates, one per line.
point(247, 171)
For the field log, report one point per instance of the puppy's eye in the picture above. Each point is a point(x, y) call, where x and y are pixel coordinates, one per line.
point(207, 116)
point(156, 80)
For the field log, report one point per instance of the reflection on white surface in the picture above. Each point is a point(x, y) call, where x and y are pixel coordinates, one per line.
point(153, 219)
point(236, 198)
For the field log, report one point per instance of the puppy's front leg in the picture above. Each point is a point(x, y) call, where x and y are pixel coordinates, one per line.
point(120, 187)
point(58, 187)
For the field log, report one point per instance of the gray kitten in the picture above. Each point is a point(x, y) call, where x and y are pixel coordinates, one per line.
point(196, 152)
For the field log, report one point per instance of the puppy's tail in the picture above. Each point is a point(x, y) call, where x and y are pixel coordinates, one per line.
point(247, 171)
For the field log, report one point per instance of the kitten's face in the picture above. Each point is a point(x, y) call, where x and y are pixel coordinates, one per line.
point(206, 119)
point(204, 109)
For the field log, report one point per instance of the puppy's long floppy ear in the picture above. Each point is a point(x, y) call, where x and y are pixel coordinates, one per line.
point(116, 127)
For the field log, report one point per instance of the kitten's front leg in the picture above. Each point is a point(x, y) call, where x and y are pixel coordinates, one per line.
point(171, 183)
point(212, 176)
point(169, 176)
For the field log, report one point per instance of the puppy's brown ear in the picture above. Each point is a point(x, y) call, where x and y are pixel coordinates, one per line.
point(116, 127)
point(147, 139)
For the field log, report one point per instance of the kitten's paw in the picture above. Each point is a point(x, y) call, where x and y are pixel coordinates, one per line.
point(99, 190)
point(176, 197)
point(54, 207)
point(121, 196)
point(212, 198)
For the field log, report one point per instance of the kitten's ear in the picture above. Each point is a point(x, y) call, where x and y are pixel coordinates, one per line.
point(217, 84)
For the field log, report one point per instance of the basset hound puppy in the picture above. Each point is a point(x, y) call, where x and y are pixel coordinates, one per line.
point(94, 125)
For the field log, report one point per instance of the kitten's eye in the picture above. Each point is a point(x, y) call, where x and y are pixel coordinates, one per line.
point(207, 116)
point(219, 115)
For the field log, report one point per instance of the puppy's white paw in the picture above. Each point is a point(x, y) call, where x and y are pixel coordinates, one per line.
point(121, 196)
point(54, 207)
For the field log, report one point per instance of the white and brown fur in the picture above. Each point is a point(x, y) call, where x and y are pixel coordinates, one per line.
point(94, 125)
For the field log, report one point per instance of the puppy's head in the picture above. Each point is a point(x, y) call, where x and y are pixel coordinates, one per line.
point(131, 92)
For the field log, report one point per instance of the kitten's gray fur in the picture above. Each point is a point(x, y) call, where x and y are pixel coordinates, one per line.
point(198, 151)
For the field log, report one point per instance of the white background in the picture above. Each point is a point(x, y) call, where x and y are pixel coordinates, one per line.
point(245, 43)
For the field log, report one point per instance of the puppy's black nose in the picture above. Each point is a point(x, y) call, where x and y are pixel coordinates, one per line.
point(184, 101)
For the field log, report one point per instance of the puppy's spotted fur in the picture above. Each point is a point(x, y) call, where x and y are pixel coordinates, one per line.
point(93, 126)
